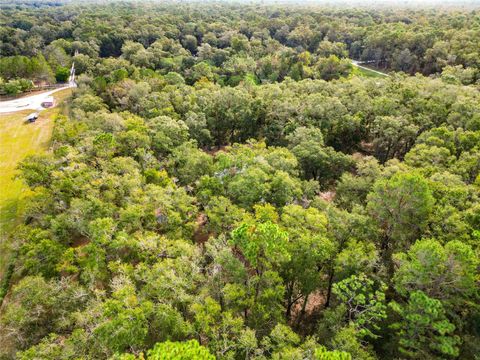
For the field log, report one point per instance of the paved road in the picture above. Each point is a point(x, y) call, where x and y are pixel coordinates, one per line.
point(34, 102)
point(359, 64)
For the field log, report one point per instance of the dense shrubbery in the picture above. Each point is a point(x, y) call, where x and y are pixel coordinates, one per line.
point(14, 87)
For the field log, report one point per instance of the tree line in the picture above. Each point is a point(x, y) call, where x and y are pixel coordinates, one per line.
point(232, 42)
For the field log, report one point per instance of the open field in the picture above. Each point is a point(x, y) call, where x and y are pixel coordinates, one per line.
point(362, 71)
point(365, 71)
point(17, 140)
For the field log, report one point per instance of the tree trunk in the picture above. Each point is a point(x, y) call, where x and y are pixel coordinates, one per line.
point(288, 312)
point(329, 290)
point(302, 312)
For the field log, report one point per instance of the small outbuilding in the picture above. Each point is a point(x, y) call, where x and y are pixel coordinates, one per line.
point(48, 102)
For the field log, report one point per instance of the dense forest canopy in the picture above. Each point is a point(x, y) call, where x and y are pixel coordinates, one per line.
point(231, 41)
point(228, 185)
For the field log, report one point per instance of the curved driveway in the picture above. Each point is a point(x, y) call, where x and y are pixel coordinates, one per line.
point(34, 102)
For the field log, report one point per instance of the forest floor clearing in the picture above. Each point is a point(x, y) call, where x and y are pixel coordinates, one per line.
point(17, 140)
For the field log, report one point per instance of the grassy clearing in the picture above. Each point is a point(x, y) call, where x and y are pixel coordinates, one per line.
point(366, 72)
point(17, 140)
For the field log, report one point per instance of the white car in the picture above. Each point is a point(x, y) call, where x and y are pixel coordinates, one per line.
point(32, 117)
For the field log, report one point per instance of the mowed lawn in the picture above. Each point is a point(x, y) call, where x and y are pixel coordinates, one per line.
point(17, 140)
point(367, 72)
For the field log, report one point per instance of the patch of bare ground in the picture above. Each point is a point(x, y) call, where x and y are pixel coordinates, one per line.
point(80, 241)
point(201, 235)
point(214, 150)
point(327, 196)
point(366, 147)
point(304, 314)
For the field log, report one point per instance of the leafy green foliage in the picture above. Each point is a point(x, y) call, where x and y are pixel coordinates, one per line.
point(179, 351)
point(261, 243)
point(424, 329)
point(401, 204)
point(364, 305)
point(62, 74)
point(442, 272)
point(222, 173)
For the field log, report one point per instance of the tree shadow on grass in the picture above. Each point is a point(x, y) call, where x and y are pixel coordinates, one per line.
point(8, 219)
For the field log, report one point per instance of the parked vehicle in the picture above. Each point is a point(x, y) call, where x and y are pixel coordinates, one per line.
point(32, 117)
